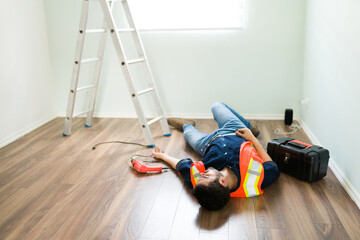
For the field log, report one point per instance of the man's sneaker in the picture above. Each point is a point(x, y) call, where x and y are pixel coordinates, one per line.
point(178, 123)
point(255, 131)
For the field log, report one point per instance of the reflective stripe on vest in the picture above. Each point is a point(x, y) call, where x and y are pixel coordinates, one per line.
point(252, 179)
point(251, 172)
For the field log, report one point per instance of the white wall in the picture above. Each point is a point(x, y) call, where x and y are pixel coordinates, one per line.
point(258, 70)
point(332, 82)
point(26, 84)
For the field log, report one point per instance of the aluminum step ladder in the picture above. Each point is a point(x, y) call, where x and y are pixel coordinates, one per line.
point(109, 26)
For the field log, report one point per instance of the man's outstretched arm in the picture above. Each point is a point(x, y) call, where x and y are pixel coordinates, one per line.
point(247, 135)
point(159, 154)
point(182, 166)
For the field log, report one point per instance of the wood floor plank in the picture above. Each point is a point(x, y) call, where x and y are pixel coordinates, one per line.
point(268, 234)
point(144, 200)
point(30, 198)
point(303, 221)
point(26, 142)
point(292, 211)
point(138, 199)
point(22, 174)
point(159, 222)
point(37, 210)
point(242, 222)
point(185, 224)
point(215, 222)
point(70, 204)
point(331, 231)
point(67, 164)
point(268, 209)
point(112, 223)
point(125, 194)
point(317, 203)
point(212, 236)
point(22, 154)
point(345, 208)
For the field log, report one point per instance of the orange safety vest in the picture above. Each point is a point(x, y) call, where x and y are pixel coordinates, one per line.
point(251, 172)
point(195, 170)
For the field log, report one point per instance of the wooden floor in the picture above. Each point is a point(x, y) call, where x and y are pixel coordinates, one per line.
point(54, 187)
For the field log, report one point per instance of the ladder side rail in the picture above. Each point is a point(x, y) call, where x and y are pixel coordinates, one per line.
point(138, 43)
point(97, 72)
point(76, 68)
point(146, 68)
point(125, 69)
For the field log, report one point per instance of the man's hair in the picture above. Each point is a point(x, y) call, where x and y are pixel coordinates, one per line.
point(212, 197)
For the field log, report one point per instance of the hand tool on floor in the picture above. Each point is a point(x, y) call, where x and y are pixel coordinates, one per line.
point(141, 167)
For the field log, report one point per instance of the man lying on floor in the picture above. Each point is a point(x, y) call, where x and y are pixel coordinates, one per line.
point(233, 164)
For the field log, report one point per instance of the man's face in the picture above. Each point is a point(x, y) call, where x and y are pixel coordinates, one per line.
point(210, 175)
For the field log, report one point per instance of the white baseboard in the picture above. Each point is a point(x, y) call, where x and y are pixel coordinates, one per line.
point(249, 116)
point(105, 115)
point(344, 181)
point(25, 131)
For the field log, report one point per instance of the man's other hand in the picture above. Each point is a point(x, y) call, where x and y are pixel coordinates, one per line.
point(246, 134)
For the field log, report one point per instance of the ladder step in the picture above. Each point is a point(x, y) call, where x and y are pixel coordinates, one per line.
point(154, 120)
point(90, 60)
point(135, 60)
point(81, 113)
point(95, 30)
point(125, 29)
point(144, 91)
point(85, 87)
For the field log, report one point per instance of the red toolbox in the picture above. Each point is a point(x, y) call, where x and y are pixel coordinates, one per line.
point(304, 161)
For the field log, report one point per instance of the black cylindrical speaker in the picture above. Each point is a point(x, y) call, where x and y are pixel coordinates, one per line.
point(288, 116)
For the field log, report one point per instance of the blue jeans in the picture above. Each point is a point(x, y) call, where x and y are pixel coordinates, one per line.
point(228, 121)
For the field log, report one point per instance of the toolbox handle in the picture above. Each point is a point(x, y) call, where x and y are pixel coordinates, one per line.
point(297, 143)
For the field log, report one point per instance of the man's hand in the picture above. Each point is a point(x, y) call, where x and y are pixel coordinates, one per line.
point(246, 134)
point(159, 154)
